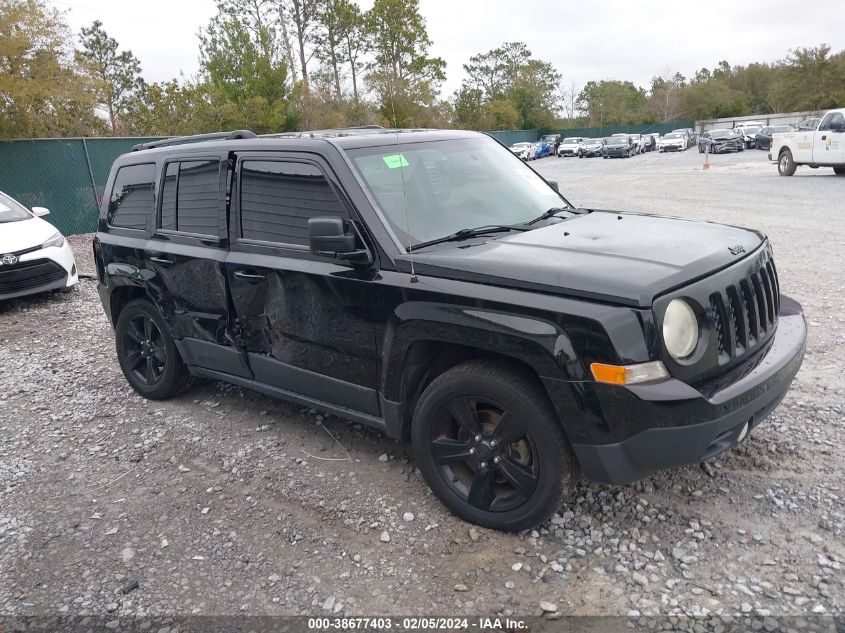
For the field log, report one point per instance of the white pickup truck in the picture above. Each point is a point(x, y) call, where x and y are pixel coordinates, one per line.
point(822, 147)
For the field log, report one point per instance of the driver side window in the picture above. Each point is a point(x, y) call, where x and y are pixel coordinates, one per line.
point(826, 122)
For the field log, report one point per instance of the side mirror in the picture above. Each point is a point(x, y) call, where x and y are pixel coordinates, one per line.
point(330, 237)
point(553, 184)
point(40, 212)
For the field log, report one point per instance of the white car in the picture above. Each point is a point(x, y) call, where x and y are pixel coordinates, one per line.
point(34, 256)
point(571, 146)
point(672, 142)
point(749, 134)
point(526, 151)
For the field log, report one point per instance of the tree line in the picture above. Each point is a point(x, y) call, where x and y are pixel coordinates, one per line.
point(283, 65)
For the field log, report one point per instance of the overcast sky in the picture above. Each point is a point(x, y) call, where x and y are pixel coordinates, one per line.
point(610, 39)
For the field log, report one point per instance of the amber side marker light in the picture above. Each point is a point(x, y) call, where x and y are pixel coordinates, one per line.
point(628, 374)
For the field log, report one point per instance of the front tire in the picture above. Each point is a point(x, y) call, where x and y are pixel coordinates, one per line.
point(490, 446)
point(147, 354)
point(839, 171)
point(786, 164)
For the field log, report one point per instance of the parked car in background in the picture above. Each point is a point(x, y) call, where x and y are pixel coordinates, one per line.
point(822, 147)
point(650, 143)
point(34, 256)
point(808, 124)
point(720, 141)
point(639, 143)
point(542, 149)
point(689, 135)
point(618, 147)
point(672, 142)
point(592, 147)
point(749, 134)
point(571, 146)
point(749, 124)
point(553, 141)
point(763, 140)
point(526, 151)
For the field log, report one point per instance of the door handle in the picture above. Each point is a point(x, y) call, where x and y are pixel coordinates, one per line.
point(162, 261)
point(824, 137)
point(240, 274)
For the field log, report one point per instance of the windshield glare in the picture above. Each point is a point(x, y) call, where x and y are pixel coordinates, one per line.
point(451, 185)
point(12, 211)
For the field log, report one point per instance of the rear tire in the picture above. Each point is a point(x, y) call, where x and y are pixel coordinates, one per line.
point(839, 171)
point(147, 354)
point(490, 446)
point(786, 164)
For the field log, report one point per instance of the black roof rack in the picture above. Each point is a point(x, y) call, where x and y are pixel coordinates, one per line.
point(196, 138)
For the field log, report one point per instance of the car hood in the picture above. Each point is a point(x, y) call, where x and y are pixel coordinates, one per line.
point(723, 137)
point(620, 258)
point(17, 236)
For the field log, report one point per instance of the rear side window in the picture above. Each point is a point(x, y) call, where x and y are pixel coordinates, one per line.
point(278, 198)
point(190, 197)
point(132, 197)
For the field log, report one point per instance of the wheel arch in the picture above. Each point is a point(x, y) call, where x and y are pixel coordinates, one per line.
point(417, 350)
point(120, 296)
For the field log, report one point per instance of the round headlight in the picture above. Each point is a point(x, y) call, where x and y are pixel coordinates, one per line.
point(680, 329)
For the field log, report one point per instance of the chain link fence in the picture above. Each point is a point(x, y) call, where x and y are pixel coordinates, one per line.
point(68, 176)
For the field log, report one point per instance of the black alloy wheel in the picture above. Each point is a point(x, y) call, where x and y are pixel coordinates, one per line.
point(144, 350)
point(491, 447)
point(484, 454)
point(147, 353)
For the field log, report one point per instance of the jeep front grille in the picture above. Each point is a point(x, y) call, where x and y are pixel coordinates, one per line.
point(746, 312)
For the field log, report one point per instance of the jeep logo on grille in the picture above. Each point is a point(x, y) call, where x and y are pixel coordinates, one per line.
point(736, 250)
point(8, 260)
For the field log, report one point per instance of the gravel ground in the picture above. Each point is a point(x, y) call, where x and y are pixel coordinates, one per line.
point(227, 502)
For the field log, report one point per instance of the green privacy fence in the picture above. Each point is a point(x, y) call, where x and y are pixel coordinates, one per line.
point(509, 137)
point(67, 176)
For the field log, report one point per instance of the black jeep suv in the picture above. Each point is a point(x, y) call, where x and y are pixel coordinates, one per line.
point(432, 285)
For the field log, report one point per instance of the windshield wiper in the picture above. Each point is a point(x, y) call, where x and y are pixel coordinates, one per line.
point(464, 234)
point(549, 214)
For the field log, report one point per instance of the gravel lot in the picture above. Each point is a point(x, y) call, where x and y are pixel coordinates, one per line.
point(227, 502)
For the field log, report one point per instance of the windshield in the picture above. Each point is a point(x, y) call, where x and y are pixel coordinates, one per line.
point(615, 140)
point(783, 128)
point(12, 211)
point(752, 130)
point(721, 133)
point(451, 185)
point(673, 135)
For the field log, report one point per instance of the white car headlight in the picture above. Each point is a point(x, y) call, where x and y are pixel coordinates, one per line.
point(56, 240)
point(680, 329)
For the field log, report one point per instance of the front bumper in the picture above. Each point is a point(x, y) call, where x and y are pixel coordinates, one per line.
point(38, 271)
point(671, 148)
point(691, 427)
